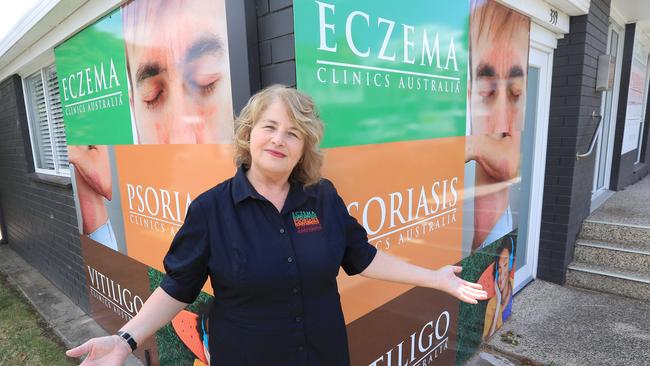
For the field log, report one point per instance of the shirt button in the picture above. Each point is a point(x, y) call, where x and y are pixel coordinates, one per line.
point(295, 290)
point(290, 259)
point(301, 348)
point(298, 319)
point(281, 231)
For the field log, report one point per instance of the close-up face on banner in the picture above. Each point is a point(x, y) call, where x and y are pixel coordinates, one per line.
point(423, 107)
point(177, 61)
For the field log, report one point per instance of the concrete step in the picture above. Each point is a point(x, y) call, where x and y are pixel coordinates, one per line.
point(629, 257)
point(608, 232)
point(607, 279)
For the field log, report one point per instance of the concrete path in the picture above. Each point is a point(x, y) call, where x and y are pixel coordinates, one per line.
point(71, 324)
point(566, 326)
point(628, 207)
point(555, 325)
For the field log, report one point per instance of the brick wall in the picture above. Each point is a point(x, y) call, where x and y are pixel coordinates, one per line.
point(275, 34)
point(40, 217)
point(568, 182)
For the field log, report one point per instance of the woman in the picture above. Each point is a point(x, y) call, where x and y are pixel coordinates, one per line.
point(500, 306)
point(272, 240)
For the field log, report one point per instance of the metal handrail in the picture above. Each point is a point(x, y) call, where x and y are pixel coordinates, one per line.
point(594, 116)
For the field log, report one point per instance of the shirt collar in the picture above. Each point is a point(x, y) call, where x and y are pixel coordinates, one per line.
point(243, 189)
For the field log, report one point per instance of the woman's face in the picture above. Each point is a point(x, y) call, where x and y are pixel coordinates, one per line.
point(504, 270)
point(276, 144)
point(179, 71)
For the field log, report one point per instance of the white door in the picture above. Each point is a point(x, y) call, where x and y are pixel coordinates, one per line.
point(533, 163)
point(605, 136)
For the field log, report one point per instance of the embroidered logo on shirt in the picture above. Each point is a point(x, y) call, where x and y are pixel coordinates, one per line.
point(306, 221)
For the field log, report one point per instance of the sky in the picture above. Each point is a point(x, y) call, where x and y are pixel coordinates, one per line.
point(12, 12)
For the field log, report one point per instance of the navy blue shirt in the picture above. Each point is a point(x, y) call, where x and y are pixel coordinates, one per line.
point(273, 273)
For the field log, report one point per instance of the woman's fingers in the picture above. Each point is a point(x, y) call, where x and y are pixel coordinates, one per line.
point(473, 285)
point(467, 299)
point(78, 351)
point(471, 293)
point(477, 290)
point(478, 294)
point(466, 291)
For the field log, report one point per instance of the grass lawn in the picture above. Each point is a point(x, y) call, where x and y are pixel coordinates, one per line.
point(24, 339)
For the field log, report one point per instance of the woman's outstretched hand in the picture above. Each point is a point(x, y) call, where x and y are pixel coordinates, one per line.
point(105, 351)
point(449, 282)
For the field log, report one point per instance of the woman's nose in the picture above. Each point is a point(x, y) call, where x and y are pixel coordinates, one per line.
point(185, 124)
point(278, 138)
point(500, 113)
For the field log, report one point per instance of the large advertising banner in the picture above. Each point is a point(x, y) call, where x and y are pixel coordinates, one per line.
point(423, 107)
point(147, 103)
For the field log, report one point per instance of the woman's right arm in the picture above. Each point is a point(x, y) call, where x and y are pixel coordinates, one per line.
point(186, 268)
point(157, 311)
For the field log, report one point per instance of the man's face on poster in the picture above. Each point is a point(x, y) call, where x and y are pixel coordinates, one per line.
point(179, 71)
point(499, 70)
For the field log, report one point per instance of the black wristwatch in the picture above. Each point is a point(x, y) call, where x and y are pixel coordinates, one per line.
point(129, 340)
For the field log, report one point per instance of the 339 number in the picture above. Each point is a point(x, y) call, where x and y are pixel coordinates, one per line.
point(553, 17)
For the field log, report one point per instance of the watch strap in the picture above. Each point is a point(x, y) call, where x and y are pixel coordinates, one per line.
point(129, 339)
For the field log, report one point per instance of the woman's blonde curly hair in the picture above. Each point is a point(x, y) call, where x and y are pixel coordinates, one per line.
point(302, 111)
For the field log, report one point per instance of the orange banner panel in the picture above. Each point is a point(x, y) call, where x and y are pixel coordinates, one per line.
point(157, 184)
point(410, 204)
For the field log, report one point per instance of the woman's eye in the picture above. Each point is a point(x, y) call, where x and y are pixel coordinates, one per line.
point(514, 95)
point(204, 84)
point(153, 98)
point(207, 89)
point(485, 93)
point(487, 88)
point(515, 89)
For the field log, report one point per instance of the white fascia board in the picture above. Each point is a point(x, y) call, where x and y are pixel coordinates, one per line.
point(616, 16)
point(572, 7)
point(27, 22)
point(542, 38)
point(540, 12)
point(66, 18)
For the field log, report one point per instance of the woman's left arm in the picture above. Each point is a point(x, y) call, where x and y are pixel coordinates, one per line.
point(388, 268)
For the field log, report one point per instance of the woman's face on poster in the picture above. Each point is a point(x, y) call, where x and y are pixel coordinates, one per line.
point(179, 71)
point(499, 70)
point(504, 269)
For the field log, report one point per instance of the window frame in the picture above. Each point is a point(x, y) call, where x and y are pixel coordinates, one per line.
point(41, 70)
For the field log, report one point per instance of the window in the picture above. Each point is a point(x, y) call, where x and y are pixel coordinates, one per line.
point(46, 122)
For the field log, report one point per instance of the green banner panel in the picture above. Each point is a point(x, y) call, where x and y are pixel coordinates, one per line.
point(384, 73)
point(93, 86)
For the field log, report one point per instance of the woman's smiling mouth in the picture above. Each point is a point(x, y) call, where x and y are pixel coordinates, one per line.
point(275, 153)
